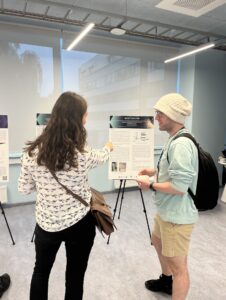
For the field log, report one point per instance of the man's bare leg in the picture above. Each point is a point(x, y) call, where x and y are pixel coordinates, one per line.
point(181, 281)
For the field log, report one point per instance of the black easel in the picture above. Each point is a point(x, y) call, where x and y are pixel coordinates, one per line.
point(121, 191)
point(3, 212)
point(33, 235)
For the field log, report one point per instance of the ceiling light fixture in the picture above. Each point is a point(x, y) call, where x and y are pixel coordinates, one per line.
point(118, 31)
point(81, 36)
point(199, 49)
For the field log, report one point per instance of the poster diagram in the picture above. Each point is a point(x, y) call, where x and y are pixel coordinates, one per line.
point(4, 149)
point(41, 122)
point(133, 140)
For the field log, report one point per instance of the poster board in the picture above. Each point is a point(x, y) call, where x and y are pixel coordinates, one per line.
point(133, 141)
point(41, 122)
point(4, 149)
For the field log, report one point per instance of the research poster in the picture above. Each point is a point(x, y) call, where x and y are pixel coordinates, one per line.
point(4, 149)
point(41, 122)
point(133, 141)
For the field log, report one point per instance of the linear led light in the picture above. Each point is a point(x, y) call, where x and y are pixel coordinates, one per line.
point(205, 47)
point(81, 36)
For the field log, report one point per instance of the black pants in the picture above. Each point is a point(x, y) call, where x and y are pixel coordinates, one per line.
point(78, 240)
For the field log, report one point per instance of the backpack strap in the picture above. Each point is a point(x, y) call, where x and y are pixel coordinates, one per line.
point(189, 136)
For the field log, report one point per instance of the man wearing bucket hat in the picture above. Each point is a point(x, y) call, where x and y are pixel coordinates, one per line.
point(177, 170)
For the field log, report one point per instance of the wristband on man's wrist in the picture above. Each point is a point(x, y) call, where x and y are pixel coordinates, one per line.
point(151, 186)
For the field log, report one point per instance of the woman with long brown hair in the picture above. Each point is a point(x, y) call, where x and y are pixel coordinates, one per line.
point(61, 150)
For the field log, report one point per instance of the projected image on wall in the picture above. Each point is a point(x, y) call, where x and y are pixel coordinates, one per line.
point(115, 85)
point(39, 60)
point(27, 85)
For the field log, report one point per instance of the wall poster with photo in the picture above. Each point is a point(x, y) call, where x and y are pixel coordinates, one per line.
point(4, 149)
point(133, 140)
point(41, 122)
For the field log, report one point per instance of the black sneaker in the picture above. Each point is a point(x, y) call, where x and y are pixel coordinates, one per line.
point(160, 285)
point(4, 283)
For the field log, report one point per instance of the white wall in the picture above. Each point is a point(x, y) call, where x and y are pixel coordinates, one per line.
point(203, 82)
point(209, 100)
point(23, 91)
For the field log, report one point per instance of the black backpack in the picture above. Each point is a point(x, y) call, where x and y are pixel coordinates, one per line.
point(207, 191)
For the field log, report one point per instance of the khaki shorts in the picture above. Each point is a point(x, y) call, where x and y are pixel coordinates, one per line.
point(175, 238)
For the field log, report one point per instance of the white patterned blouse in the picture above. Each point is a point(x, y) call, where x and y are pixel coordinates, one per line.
point(55, 209)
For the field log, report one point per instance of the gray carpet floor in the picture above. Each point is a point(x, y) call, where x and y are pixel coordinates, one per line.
point(117, 271)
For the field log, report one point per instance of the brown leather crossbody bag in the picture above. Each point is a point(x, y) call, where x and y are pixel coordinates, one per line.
point(98, 207)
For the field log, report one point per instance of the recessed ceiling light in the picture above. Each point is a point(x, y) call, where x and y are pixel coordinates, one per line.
point(118, 31)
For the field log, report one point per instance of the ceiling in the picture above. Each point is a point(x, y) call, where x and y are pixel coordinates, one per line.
point(140, 18)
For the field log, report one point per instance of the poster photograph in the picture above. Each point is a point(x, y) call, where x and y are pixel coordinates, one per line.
point(133, 141)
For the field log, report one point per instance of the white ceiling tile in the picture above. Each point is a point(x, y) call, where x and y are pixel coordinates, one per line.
point(14, 4)
point(129, 25)
point(218, 13)
point(220, 28)
point(114, 21)
point(36, 8)
point(77, 15)
point(58, 12)
point(64, 1)
point(95, 18)
point(143, 28)
point(138, 12)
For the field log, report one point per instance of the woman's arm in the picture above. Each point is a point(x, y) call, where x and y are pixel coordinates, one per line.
point(26, 184)
point(97, 157)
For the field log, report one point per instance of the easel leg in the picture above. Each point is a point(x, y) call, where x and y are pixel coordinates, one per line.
point(116, 204)
point(3, 212)
point(121, 190)
point(145, 212)
point(33, 235)
point(122, 197)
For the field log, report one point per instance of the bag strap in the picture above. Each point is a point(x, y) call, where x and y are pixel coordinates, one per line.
point(189, 136)
point(69, 191)
point(160, 157)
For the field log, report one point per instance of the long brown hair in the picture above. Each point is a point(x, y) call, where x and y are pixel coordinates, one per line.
point(64, 134)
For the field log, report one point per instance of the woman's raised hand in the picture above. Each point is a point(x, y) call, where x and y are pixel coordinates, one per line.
point(109, 145)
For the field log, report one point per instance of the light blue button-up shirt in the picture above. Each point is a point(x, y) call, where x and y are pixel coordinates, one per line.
point(180, 168)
